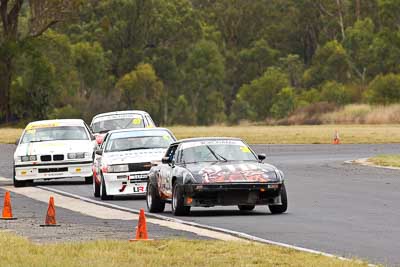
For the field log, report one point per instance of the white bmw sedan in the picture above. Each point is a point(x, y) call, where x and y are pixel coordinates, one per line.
point(54, 149)
point(124, 160)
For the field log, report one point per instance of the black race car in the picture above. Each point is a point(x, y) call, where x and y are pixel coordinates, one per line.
point(205, 172)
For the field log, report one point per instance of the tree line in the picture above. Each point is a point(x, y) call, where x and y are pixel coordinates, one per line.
point(195, 61)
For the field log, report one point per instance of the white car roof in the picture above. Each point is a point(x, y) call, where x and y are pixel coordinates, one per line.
point(54, 123)
point(139, 112)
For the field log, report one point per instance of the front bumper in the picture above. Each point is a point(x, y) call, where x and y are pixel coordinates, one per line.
point(207, 195)
point(126, 183)
point(53, 171)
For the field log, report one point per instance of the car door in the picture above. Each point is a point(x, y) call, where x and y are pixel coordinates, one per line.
point(166, 172)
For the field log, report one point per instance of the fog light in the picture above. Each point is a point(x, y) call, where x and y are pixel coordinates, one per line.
point(262, 189)
point(189, 200)
point(78, 169)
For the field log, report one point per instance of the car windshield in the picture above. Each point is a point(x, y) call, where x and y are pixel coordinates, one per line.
point(129, 142)
point(54, 133)
point(116, 123)
point(218, 150)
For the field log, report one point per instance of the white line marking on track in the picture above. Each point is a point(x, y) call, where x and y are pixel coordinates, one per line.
point(173, 223)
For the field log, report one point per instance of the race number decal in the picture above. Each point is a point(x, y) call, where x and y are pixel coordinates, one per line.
point(136, 121)
point(245, 149)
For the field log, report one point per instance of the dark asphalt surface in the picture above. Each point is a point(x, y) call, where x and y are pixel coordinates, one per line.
point(347, 210)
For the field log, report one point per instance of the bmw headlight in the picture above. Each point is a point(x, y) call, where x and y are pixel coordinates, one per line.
point(28, 158)
point(118, 168)
point(80, 155)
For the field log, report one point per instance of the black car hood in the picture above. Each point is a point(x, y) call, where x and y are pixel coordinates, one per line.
point(232, 172)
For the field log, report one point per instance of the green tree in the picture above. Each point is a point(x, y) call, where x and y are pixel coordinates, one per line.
point(384, 89)
point(204, 74)
point(284, 103)
point(142, 89)
point(261, 92)
point(42, 14)
point(91, 65)
point(334, 92)
point(330, 63)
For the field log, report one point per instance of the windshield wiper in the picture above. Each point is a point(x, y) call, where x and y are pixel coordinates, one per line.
point(40, 140)
point(217, 156)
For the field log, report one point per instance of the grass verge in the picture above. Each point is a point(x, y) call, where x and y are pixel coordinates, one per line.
point(299, 134)
point(304, 134)
point(386, 160)
point(18, 251)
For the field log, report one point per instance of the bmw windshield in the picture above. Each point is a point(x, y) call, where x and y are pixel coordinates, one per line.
point(55, 134)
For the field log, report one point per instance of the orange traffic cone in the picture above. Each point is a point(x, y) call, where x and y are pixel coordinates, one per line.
point(51, 214)
point(336, 138)
point(7, 211)
point(141, 229)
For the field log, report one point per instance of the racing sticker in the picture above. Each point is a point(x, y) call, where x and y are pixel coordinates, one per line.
point(136, 121)
point(138, 189)
point(42, 125)
point(212, 142)
point(245, 149)
point(234, 173)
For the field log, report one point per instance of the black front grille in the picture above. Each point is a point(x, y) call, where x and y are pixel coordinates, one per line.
point(45, 158)
point(45, 170)
point(139, 167)
point(58, 157)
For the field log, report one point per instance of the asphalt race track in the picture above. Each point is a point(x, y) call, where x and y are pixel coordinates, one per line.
point(339, 208)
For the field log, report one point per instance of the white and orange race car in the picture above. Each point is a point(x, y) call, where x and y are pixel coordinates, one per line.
point(124, 159)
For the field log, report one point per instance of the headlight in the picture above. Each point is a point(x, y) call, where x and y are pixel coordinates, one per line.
point(118, 168)
point(29, 158)
point(80, 155)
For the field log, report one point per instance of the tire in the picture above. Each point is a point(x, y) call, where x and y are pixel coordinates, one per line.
point(103, 191)
point(153, 200)
point(89, 180)
point(16, 182)
point(96, 189)
point(246, 207)
point(178, 205)
point(277, 209)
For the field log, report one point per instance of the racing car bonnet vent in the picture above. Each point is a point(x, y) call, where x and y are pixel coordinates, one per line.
point(45, 158)
point(137, 167)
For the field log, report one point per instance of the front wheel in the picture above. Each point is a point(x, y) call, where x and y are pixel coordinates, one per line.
point(178, 205)
point(96, 188)
point(103, 191)
point(153, 200)
point(277, 209)
point(18, 183)
point(89, 180)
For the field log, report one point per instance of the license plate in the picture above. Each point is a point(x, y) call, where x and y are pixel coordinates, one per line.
point(137, 176)
point(53, 174)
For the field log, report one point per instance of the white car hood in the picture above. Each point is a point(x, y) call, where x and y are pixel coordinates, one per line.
point(54, 147)
point(134, 156)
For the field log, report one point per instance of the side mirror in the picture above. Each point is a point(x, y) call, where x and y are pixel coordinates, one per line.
point(17, 141)
point(99, 152)
point(261, 157)
point(165, 160)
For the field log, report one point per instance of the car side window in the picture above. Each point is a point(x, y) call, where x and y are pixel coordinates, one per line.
point(171, 152)
point(150, 121)
point(89, 131)
point(103, 144)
